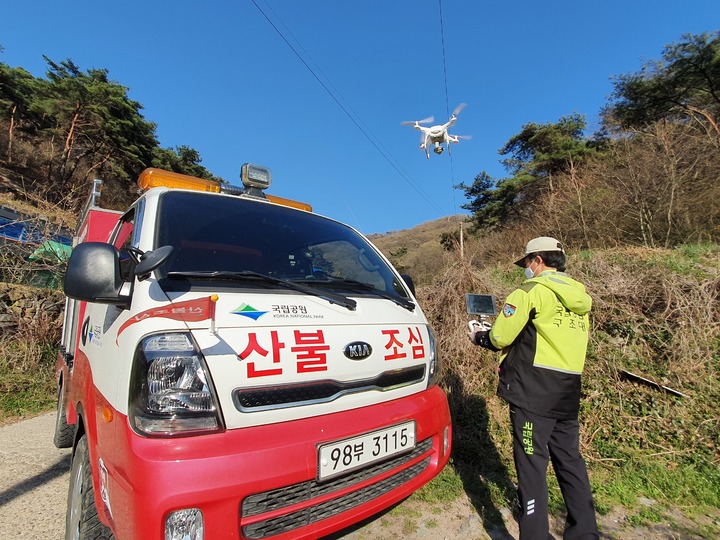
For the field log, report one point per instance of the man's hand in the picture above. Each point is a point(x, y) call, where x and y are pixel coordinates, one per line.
point(479, 334)
point(476, 326)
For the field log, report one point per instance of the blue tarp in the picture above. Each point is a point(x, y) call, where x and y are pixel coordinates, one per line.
point(27, 232)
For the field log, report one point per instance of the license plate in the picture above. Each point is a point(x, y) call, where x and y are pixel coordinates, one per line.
point(343, 456)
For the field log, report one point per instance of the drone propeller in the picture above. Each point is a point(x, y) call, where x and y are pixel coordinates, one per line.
point(413, 122)
point(456, 139)
point(465, 137)
point(459, 108)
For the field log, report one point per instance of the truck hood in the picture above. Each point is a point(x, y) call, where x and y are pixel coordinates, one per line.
point(277, 357)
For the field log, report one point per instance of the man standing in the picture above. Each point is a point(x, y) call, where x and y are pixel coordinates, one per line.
point(543, 335)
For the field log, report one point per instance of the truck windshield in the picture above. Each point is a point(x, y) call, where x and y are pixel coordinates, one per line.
point(226, 234)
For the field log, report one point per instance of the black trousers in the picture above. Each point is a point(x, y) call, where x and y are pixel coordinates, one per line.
point(537, 440)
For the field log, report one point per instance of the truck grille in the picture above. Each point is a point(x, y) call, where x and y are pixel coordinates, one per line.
point(295, 395)
point(278, 499)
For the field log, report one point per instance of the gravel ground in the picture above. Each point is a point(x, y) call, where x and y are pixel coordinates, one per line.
point(33, 480)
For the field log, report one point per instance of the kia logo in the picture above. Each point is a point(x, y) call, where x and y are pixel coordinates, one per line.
point(357, 350)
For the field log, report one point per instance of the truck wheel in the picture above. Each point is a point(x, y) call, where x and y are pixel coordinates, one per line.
point(82, 521)
point(64, 432)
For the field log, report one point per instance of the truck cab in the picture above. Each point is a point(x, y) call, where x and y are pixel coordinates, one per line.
point(234, 365)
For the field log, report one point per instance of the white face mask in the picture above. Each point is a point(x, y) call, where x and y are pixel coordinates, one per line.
point(529, 272)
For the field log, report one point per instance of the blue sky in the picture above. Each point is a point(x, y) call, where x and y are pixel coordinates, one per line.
point(218, 77)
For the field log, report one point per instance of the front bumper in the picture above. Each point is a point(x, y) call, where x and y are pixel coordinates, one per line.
point(260, 482)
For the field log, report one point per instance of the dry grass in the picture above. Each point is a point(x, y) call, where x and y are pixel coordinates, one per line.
point(29, 338)
point(34, 206)
point(481, 447)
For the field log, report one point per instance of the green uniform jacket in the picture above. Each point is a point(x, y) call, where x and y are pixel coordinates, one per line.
point(543, 334)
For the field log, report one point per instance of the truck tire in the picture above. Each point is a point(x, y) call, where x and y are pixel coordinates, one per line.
point(82, 521)
point(64, 432)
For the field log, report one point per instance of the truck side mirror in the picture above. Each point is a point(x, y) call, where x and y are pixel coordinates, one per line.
point(93, 274)
point(151, 260)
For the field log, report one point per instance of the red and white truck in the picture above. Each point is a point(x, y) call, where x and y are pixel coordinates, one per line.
point(234, 365)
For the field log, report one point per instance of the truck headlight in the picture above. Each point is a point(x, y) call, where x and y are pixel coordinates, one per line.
point(172, 393)
point(434, 364)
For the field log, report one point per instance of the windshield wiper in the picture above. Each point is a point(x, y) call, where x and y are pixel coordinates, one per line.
point(353, 284)
point(333, 298)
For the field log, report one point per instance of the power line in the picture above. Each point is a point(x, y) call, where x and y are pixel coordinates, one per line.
point(363, 129)
point(442, 41)
point(447, 101)
point(447, 107)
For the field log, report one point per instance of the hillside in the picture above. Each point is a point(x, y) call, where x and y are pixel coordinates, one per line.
point(418, 251)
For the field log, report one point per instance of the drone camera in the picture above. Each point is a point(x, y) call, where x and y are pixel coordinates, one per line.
point(438, 150)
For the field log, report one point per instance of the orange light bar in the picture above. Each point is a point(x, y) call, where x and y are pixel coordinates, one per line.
point(152, 177)
point(289, 202)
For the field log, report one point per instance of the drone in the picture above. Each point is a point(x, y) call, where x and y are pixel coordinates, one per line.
point(438, 134)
